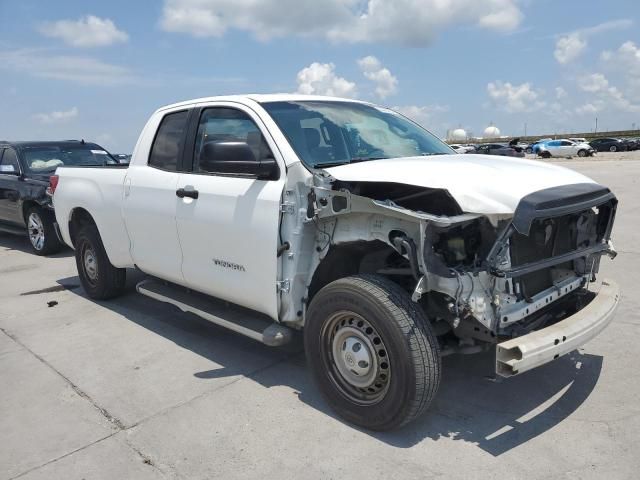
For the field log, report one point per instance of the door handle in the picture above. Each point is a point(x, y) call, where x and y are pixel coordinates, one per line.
point(181, 193)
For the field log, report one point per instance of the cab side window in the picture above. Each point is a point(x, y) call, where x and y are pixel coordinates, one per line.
point(167, 146)
point(221, 126)
point(9, 161)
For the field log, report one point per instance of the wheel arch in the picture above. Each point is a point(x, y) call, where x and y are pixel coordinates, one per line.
point(79, 217)
point(349, 258)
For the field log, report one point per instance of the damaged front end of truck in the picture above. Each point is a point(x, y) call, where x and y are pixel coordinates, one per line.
point(523, 283)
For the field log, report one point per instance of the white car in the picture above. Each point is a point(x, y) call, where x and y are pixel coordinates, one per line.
point(271, 213)
point(565, 148)
point(463, 148)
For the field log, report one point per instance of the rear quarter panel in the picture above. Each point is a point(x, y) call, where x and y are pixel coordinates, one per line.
point(99, 191)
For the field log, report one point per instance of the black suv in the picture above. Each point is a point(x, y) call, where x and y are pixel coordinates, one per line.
point(25, 175)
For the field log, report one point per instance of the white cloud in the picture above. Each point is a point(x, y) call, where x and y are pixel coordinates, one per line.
point(560, 93)
point(386, 82)
point(514, 98)
point(629, 54)
point(626, 60)
point(589, 108)
point(56, 117)
point(593, 83)
point(77, 69)
point(321, 79)
point(571, 45)
point(609, 97)
point(89, 31)
point(422, 115)
point(338, 20)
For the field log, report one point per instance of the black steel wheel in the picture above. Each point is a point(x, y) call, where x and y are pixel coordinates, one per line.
point(99, 278)
point(372, 352)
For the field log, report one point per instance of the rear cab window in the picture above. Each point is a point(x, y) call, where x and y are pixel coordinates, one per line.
point(168, 144)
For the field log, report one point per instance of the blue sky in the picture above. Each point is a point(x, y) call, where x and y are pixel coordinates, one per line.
point(96, 69)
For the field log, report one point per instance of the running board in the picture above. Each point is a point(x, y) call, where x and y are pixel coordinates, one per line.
point(241, 320)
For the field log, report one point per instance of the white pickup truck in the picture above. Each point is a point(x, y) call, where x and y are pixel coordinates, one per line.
point(268, 213)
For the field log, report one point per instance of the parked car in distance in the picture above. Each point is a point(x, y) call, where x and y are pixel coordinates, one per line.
point(463, 148)
point(533, 147)
point(25, 172)
point(578, 139)
point(122, 158)
point(268, 213)
point(609, 145)
point(633, 143)
point(499, 149)
point(565, 148)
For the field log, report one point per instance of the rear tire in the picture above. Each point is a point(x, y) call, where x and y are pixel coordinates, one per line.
point(372, 352)
point(41, 231)
point(99, 278)
point(613, 148)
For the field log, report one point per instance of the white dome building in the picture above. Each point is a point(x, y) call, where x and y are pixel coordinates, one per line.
point(491, 132)
point(458, 135)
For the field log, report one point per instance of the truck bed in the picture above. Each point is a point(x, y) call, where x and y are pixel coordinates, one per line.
point(98, 190)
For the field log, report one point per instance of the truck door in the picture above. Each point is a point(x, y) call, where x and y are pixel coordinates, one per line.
point(229, 228)
point(9, 187)
point(150, 201)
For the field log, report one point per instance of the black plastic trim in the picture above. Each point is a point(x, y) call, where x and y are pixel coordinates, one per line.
point(558, 201)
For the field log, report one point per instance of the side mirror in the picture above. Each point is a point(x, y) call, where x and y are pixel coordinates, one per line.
point(236, 158)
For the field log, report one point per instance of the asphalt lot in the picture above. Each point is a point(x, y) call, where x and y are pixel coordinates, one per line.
point(134, 389)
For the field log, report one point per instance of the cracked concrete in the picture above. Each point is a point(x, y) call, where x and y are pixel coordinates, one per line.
point(134, 389)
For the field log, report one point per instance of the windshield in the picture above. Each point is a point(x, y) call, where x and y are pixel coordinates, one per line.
point(44, 159)
point(334, 133)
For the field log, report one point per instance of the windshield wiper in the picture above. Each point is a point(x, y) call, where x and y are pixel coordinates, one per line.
point(366, 159)
point(353, 160)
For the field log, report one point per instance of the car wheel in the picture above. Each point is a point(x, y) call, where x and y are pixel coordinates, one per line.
point(529, 150)
point(41, 230)
point(582, 153)
point(545, 154)
point(99, 278)
point(372, 352)
point(613, 148)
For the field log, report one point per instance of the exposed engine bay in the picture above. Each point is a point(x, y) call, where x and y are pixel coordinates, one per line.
point(480, 278)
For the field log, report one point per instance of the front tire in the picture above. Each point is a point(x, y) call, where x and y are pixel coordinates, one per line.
point(42, 233)
point(613, 148)
point(99, 278)
point(545, 155)
point(582, 153)
point(372, 352)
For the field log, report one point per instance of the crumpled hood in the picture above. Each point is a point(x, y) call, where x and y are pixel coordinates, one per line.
point(486, 184)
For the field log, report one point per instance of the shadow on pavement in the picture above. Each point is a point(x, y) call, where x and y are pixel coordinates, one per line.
point(497, 416)
point(21, 244)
